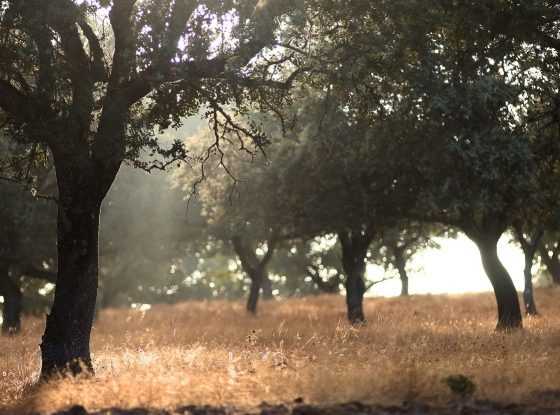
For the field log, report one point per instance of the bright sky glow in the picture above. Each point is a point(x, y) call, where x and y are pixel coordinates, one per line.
point(455, 268)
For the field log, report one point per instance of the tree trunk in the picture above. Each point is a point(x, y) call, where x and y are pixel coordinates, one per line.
point(266, 287)
point(509, 312)
point(255, 268)
point(529, 244)
point(528, 294)
point(354, 251)
point(254, 291)
point(401, 268)
point(355, 290)
point(11, 313)
point(65, 347)
point(552, 265)
point(404, 282)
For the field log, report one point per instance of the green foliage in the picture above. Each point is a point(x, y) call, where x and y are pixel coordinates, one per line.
point(460, 385)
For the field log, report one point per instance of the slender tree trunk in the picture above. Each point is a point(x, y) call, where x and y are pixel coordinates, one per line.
point(66, 343)
point(509, 312)
point(528, 294)
point(255, 268)
point(401, 268)
point(529, 244)
point(266, 287)
point(404, 282)
point(11, 313)
point(254, 291)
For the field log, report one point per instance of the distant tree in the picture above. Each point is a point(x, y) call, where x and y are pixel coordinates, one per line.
point(529, 243)
point(396, 246)
point(322, 264)
point(539, 216)
point(235, 192)
point(347, 191)
point(28, 234)
point(549, 252)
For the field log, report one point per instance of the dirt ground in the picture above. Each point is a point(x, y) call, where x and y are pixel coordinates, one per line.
point(351, 408)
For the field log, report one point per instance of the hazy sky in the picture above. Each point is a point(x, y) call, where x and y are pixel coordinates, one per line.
point(455, 268)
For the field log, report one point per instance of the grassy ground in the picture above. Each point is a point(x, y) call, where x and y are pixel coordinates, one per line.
point(213, 353)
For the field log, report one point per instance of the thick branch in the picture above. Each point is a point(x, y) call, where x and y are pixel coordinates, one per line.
point(99, 70)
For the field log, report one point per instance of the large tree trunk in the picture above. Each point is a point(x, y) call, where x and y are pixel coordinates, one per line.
point(354, 251)
point(11, 313)
point(509, 312)
point(66, 343)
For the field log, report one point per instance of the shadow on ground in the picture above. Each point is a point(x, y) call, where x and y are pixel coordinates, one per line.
point(351, 408)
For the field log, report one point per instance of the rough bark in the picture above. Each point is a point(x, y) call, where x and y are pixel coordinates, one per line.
point(354, 250)
point(509, 312)
point(11, 312)
point(65, 347)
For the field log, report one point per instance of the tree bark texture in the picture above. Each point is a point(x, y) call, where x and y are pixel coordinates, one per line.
point(509, 312)
point(355, 245)
point(65, 347)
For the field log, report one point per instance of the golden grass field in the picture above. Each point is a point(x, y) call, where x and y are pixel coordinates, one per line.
point(213, 353)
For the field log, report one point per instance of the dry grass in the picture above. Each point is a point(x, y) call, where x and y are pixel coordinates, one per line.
point(213, 353)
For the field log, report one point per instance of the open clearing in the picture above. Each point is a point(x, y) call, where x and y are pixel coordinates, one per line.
point(212, 353)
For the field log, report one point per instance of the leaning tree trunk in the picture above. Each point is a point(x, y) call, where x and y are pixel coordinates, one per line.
point(528, 294)
point(254, 291)
point(65, 345)
point(11, 313)
point(509, 312)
